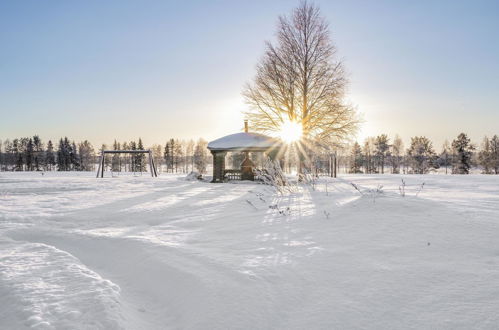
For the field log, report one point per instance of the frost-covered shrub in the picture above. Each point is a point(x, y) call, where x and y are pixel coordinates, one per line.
point(272, 175)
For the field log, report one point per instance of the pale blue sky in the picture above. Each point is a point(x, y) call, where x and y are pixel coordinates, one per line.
point(101, 70)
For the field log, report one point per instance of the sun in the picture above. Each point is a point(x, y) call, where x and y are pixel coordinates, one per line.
point(291, 131)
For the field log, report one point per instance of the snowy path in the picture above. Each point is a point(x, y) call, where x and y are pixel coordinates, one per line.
point(142, 253)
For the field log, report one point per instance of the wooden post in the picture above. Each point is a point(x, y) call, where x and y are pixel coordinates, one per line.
point(102, 164)
point(154, 167)
point(100, 161)
point(150, 164)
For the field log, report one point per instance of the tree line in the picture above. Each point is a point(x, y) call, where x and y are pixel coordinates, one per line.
point(378, 153)
point(32, 154)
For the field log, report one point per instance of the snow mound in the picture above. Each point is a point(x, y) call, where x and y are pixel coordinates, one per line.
point(193, 176)
point(45, 288)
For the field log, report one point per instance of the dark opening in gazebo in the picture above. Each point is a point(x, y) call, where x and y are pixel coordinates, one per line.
point(244, 142)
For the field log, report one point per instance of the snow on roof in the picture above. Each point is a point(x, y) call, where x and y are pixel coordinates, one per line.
point(244, 140)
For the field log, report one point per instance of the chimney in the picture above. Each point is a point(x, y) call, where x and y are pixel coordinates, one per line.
point(246, 126)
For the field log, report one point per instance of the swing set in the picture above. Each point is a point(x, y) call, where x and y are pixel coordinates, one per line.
point(152, 166)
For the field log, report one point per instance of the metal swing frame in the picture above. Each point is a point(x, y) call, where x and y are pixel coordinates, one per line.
point(152, 166)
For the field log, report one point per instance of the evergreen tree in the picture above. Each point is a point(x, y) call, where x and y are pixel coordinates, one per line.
point(133, 157)
point(463, 151)
point(38, 154)
point(50, 156)
point(356, 159)
point(173, 147)
point(421, 155)
point(369, 155)
point(29, 152)
point(74, 157)
point(141, 158)
point(382, 150)
point(167, 155)
point(9, 159)
point(60, 156)
point(116, 159)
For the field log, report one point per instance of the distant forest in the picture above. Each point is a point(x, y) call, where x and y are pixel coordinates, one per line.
point(32, 154)
point(377, 154)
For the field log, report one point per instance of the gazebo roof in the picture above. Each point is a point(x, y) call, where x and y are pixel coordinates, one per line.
point(244, 142)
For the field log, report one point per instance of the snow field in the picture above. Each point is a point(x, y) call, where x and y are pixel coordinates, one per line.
point(143, 253)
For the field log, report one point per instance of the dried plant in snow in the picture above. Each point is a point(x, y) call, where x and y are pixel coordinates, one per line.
point(402, 188)
point(272, 175)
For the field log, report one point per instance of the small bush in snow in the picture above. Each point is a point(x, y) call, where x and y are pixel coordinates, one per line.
point(272, 175)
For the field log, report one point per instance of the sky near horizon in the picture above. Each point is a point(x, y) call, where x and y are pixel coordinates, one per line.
point(158, 69)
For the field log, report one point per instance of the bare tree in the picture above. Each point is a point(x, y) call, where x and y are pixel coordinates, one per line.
point(396, 154)
point(299, 80)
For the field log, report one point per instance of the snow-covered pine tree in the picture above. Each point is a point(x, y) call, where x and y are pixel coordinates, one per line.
point(463, 150)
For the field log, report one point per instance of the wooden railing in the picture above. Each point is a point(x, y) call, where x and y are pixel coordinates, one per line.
point(232, 174)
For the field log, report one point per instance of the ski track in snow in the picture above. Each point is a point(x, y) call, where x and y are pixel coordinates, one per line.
point(140, 253)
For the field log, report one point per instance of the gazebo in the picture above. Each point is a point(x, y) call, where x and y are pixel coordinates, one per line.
point(244, 142)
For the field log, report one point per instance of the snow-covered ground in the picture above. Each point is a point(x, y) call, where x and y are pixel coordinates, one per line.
point(78, 252)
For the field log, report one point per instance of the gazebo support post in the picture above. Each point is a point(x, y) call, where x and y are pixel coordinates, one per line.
point(218, 166)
